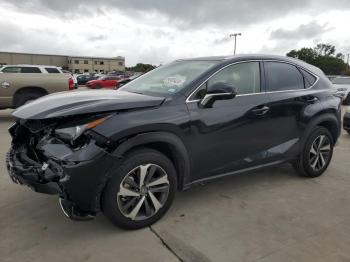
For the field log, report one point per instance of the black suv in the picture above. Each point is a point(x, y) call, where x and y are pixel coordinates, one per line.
point(126, 152)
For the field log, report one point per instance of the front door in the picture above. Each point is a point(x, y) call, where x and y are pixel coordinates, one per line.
point(233, 134)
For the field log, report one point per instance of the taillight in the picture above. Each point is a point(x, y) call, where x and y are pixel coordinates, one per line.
point(71, 84)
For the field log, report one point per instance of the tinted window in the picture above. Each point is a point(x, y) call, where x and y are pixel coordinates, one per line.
point(282, 76)
point(309, 78)
point(244, 77)
point(52, 70)
point(30, 70)
point(11, 69)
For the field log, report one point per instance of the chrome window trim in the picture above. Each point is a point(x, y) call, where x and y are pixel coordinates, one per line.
point(259, 93)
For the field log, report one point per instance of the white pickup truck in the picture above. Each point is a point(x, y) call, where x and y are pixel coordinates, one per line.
point(20, 84)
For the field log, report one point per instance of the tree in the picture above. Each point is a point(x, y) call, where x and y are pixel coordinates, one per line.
point(325, 49)
point(306, 54)
point(141, 68)
point(323, 56)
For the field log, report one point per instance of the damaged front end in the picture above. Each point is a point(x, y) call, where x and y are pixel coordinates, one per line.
point(65, 157)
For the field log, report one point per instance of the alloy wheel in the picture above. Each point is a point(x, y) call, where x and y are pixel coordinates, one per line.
point(319, 153)
point(143, 191)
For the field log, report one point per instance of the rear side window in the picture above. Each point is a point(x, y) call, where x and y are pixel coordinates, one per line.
point(30, 70)
point(11, 69)
point(52, 70)
point(282, 76)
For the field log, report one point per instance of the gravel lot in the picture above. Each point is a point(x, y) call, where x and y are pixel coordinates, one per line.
point(267, 215)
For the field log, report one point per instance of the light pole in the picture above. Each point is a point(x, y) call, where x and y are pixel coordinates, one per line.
point(235, 36)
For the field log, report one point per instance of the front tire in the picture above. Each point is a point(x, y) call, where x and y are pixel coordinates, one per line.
point(141, 189)
point(317, 153)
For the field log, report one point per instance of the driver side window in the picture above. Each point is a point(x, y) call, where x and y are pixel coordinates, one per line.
point(244, 77)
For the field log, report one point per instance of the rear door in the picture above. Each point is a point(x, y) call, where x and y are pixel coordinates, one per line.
point(290, 95)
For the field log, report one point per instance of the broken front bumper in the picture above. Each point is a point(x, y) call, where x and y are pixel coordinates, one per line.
point(77, 176)
point(32, 174)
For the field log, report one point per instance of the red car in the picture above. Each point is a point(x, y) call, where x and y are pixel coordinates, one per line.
point(103, 82)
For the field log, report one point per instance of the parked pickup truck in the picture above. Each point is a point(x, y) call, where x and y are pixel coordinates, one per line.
point(23, 83)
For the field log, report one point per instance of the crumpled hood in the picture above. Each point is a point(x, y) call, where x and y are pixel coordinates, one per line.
point(84, 102)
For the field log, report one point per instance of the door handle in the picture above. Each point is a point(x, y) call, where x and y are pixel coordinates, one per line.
point(311, 99)
point(260, 110)
point(5, 85)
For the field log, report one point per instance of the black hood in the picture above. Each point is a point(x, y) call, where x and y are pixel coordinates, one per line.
point(84, 102)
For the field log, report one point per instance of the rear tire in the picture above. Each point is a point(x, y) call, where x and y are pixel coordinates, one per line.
point(24, 98)
point(131, 206)
point(317, 153)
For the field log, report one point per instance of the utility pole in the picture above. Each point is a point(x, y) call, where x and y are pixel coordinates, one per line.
point(235, 36)
point(347, 61)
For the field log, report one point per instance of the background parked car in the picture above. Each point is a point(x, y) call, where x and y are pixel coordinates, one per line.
point(83, 79)
point(20, 84)
point(125, 81)
point(120, 74)
point(103, 82)
point(342, 84)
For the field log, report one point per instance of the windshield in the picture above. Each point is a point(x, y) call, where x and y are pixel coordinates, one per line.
point(169, 79)
point(341, 81)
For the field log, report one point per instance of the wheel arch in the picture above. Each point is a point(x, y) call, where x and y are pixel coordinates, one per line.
point(27, 89)
point(167, 143)
point(328, 121)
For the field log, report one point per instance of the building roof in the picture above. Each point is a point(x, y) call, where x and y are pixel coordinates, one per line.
point(68, 56)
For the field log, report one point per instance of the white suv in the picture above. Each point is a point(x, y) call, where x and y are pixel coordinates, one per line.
point(44, 69)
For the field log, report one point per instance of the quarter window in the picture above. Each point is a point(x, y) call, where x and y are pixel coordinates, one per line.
point(282, 76)
point(309, 78)
point(244, 77)
point(52, 70)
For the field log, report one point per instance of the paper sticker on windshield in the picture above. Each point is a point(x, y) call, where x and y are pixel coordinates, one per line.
point(176, 80)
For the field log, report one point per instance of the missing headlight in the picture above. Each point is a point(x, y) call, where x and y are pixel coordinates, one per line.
point(73, 133)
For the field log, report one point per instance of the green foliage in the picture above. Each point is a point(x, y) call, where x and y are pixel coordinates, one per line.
point(141, 68)
point(323, 56)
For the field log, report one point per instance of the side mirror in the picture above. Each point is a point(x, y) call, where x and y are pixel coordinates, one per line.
point(218, 91)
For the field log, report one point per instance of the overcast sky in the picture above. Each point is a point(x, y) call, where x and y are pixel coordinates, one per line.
point(151, 31)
